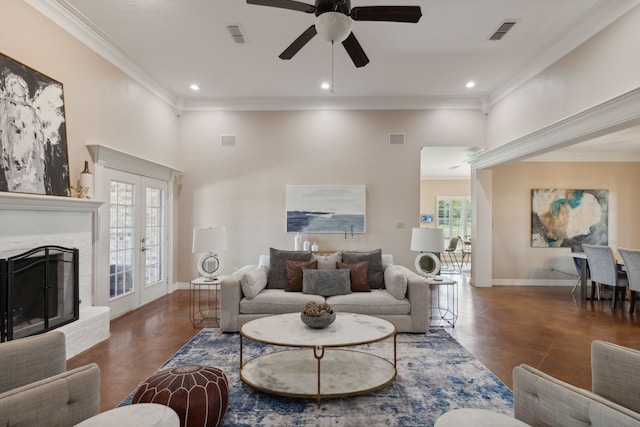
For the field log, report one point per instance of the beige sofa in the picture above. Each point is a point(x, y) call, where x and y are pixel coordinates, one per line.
point(37, 390)
point(408, 311)
point(541, 400)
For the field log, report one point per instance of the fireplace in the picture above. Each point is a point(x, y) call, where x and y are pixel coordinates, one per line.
point(39, 291)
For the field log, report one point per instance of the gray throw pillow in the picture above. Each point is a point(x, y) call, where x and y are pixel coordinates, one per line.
point(278, 269)
point(254, 281)
point(395, 282)
point(326, 282)
point(375, 274)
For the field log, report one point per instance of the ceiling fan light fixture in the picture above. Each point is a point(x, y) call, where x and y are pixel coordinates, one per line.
point(333, 26)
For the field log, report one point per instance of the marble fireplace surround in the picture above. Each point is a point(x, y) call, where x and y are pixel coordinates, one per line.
point(28, 221)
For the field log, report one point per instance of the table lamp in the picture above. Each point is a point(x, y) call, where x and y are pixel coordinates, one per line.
point(430, 243)
point(209, 241)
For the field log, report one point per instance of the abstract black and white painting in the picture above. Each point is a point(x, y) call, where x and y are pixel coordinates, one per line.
point(326, 208)
point(33, 137)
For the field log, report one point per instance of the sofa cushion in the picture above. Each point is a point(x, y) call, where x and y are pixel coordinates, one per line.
point(294, 274)
point(277, 301)
point(327, 261)
point(277, 278)
point(376, 302)
point(395, 282)
point(254, 281)
point(359, 275)
point(326, 282)
point(375, 274)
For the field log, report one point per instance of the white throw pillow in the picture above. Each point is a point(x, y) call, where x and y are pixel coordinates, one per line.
point(395, 282)
point(254, 281)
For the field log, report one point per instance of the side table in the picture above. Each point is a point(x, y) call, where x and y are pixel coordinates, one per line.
point(202, 307)
point(444, 302)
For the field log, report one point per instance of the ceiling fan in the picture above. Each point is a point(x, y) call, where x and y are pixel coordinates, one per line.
point(334, 19)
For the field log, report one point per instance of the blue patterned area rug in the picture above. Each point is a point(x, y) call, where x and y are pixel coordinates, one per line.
point(435, 375)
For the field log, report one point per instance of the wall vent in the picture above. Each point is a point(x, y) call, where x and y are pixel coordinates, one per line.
point(502, 30)
point(396, 138)
point(236, 33)
point(227, 140)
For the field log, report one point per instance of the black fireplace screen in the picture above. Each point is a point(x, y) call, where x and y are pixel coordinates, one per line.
point(39, 291)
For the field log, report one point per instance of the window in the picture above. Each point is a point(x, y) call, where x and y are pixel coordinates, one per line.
point(454, 217)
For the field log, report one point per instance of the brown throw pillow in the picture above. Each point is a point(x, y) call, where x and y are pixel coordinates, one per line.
point(294, 274)
point(359, 271)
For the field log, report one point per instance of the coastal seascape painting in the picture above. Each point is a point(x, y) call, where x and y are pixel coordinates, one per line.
point(564, 218)
point(326, 208)
point(33, 137)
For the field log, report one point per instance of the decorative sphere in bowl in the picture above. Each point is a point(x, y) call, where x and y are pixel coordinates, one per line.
point(318, 322)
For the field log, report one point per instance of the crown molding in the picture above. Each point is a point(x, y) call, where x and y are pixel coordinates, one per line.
point(618, 113)
point(333, 103)
point(72, 21)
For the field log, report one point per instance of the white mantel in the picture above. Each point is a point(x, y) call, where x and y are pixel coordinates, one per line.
point(28, 221)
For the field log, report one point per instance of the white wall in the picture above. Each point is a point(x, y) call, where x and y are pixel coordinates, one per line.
point(243, 187)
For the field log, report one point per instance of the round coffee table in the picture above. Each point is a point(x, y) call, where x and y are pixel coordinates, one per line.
point(317, 367)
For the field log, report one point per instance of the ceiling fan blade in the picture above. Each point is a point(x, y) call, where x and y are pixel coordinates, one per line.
point(299, 43)
point(387, 13)
point(355, 51)
point(285, 4)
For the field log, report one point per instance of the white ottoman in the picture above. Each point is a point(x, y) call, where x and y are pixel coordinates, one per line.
point(477, 418)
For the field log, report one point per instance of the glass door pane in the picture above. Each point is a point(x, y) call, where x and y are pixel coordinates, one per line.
point(121, 239)
point(154, 236)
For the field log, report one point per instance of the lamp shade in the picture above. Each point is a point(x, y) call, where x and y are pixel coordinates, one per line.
point(427, 240)
point(209, 239)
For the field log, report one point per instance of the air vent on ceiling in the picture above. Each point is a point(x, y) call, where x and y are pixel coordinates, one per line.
point(396, 138)
point(502, 30)
point(236, 33)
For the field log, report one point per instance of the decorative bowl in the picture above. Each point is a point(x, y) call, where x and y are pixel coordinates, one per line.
point(318, 322)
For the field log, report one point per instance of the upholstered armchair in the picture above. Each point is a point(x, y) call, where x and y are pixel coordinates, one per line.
point(37, 390)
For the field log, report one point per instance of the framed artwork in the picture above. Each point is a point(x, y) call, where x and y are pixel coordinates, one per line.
point(326, 208)
point(33, 137)
point(563, 218)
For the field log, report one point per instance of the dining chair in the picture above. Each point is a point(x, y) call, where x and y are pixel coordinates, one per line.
point(451, 251)
point(578, 264)
point(631, 258)
point(604, 270)
point(466, 249)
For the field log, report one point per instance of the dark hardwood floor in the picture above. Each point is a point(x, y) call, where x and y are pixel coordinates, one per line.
point(545, 327)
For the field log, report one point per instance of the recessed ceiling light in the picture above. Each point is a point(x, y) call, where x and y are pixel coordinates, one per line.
point(325, 86)
point(470, 84)
point(194, 87)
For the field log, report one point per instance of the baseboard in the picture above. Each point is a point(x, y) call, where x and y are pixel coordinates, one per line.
point(533, 282)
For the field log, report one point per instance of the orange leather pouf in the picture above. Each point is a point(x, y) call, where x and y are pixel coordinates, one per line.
point(199, 394)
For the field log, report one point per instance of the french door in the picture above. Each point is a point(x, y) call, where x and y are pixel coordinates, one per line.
point(137, 234)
